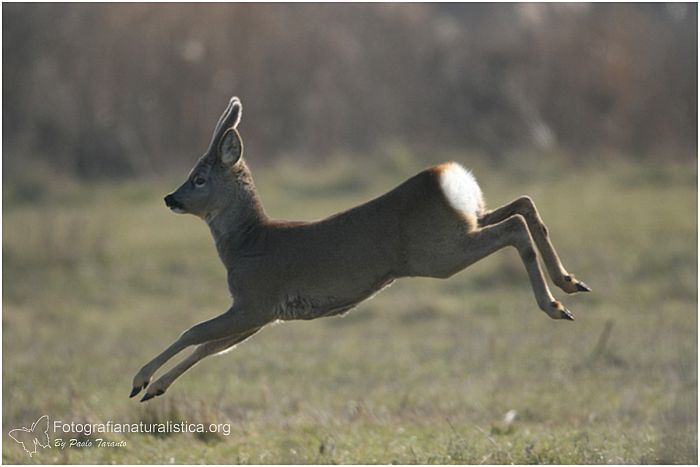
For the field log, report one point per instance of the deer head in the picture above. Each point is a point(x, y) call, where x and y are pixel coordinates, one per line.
point(213, 183)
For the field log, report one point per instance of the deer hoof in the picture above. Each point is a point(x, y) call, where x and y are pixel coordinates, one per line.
point(558, 311)
point(573, 285)
point(149, 396)
point(566, 314)
point(137, 389)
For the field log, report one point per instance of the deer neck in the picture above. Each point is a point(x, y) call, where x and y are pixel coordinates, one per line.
point(237, 227)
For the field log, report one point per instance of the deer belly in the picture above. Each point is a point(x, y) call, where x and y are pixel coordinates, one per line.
point(312, 306)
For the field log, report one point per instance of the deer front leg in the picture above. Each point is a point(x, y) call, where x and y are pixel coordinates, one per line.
point(514, 231)
point(526, 208)
point(201, 351)
point(234, 322)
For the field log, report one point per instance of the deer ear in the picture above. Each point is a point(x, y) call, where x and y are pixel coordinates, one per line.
point(236, 111)
point(231, 147)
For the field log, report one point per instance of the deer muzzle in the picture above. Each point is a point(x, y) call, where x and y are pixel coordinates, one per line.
point(174, 204)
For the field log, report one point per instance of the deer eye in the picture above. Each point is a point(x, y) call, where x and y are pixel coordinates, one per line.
point(199, 181)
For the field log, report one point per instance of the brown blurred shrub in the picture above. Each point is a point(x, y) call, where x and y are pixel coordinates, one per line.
point(125, 89)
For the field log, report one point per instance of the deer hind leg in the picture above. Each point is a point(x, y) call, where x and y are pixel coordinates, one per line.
point(232, 323)
point(513, 231)
point(526, 208)
point(201, 351)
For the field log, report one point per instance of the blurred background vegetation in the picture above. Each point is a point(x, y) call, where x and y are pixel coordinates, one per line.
point(591, 109)
point(129, 89)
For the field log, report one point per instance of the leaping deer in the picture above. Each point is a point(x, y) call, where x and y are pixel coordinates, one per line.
point(432, 225)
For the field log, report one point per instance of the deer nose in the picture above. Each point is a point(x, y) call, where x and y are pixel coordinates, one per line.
point(174, 204)
point(170, 201)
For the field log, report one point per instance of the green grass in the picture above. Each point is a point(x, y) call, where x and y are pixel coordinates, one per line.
point(99, 278)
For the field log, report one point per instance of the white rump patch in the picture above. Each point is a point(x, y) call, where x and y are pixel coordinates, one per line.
point(461, 189)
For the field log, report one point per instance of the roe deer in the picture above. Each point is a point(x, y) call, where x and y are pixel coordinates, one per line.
point(432, 225)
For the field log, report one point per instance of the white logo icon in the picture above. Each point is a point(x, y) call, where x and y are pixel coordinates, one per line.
point(33, 438)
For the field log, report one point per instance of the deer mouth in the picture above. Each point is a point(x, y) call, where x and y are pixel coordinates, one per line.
point(174, 205)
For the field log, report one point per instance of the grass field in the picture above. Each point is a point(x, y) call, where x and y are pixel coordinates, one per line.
point(99, 278)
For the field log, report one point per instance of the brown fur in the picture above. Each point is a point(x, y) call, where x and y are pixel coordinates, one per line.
point(285, 270)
